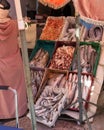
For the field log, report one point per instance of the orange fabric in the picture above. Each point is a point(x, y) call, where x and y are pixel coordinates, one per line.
point(56, 4)
point(93, 9)
point(11, 71)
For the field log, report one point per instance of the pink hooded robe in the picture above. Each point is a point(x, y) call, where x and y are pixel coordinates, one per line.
point(11, 71)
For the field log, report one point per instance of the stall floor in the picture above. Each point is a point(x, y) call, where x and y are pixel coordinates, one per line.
point(25, 124)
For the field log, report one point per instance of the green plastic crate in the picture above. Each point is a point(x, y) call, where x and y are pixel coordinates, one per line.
point(48, 46)
point(97, 47)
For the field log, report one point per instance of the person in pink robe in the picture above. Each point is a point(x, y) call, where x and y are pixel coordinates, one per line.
point(11, 66)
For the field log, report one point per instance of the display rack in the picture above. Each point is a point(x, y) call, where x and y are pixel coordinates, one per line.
point(80, 100)
point(82, 111)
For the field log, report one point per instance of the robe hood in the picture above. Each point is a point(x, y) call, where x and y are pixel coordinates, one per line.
point(5, 29)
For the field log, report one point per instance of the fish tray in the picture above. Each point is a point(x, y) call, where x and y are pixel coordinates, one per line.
point(48, 46)
point(51, 99)
point(68, 31)
point(53, 61)
point(96, 46)
point(53, 28)
point(86, 88)
point(47, 75)
point(37, 75)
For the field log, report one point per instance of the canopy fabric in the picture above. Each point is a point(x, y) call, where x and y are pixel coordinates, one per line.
point(93, 9)
point(55, 4)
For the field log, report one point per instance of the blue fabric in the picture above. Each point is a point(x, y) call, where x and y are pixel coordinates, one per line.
point(9, 128)
point(86, 24)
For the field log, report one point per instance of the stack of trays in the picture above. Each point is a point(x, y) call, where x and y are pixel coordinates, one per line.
point(39, 59)
point(54, 72)
point(59, 29)
point(89, 57)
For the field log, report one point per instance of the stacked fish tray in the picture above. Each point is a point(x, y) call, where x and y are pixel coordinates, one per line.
point(63, 55)
point(58, 94)
point(59, 29)
point(54, 72)
point(68, 31)
point(39, 59)
point(53, 28)
point(53, 97)
point(94, 33)
point(89, 58)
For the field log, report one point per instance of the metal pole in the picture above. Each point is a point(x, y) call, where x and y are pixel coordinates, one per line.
point(89, 125)
point(27, 77)
point(16, 105)
point(25, 61)
point(80, 101)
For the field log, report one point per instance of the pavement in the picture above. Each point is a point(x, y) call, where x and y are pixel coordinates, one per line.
point(25, 124)
point(97, 124)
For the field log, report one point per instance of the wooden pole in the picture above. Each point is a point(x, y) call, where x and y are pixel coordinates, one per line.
point(26, 62)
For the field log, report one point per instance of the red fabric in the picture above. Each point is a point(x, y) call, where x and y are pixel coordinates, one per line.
point(11, 71)
point(93, 9)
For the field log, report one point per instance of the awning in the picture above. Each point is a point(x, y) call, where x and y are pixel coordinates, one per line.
point(92, 9)
point(55, 4)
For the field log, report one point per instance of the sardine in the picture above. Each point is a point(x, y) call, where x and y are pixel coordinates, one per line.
point(40, 112)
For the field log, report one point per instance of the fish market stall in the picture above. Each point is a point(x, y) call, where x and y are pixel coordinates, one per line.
point(58, 89)
point(67, 78)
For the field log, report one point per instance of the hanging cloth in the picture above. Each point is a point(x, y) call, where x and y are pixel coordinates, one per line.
point(55, 4)
point(91, 11)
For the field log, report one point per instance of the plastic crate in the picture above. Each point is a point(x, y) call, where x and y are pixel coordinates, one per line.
point(61, 44)
point(48, 46)
point(97, 47)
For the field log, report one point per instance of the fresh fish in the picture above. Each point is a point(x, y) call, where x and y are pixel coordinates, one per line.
point(82, 53)
point(58, 79)
point(43, 60)
point(40, 112)
point(71, 89)
point(70, 77)
point(37, 54)
point(76, 94)
point(40, 59)
point(62, 82)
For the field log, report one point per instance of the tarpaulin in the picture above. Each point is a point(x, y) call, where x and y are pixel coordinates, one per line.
point(90, 9)
point(9, 128)
point(55, 4)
